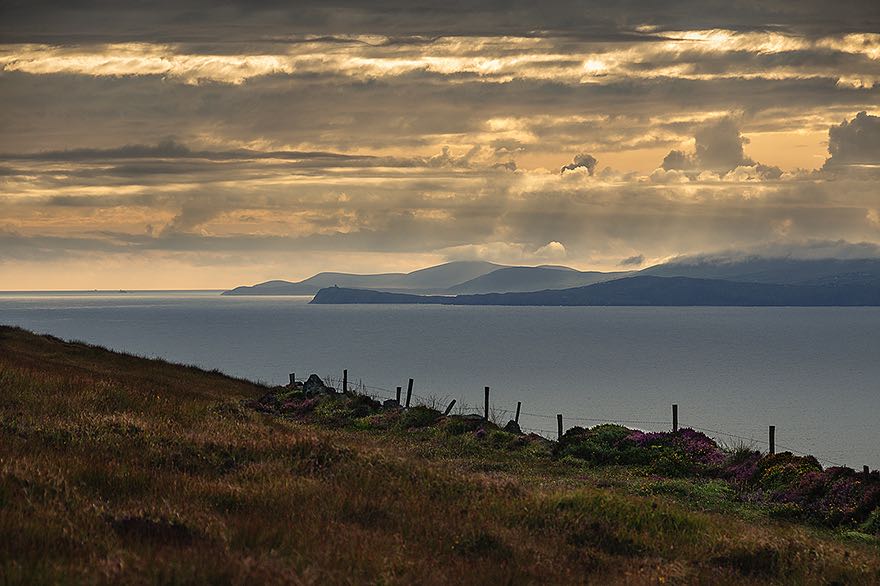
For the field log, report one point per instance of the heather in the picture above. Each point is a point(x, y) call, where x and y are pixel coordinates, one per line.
point(118, 469)
point(836, 496)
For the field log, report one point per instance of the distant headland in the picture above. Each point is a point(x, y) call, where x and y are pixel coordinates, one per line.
point(746, 281)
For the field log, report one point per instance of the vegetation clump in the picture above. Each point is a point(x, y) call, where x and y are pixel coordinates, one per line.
point(797, 485)
point(835, 496)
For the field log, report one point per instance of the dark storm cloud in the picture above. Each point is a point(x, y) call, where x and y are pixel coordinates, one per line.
point(72, 111)
point(172, 149)
point(101, 201)
point(855, 142)
point(584, 161)
point(57, 21)
point(718, 147)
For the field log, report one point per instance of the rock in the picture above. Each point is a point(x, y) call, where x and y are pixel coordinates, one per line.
point(480, 433)
point(390, 404)
point(315, 386)
point(513, 427)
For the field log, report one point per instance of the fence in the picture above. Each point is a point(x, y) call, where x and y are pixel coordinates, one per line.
point(495, 414)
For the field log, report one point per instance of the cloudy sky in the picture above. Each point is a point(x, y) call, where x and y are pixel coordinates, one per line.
point(191, 144)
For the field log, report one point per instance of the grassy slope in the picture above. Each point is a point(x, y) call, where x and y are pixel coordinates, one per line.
point(116, 468)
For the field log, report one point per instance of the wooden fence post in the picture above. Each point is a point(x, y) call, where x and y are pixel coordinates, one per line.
point(559, 426)
point(449, 408)
point(674, 417)
point(486, 404)
point(867, 471)
point(345, 380)
point(409, 392)
point(398, 394)
point(772, 439)
point(518, 405)
point(292, 376)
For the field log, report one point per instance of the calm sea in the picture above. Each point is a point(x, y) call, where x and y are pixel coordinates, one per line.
point(812, 372)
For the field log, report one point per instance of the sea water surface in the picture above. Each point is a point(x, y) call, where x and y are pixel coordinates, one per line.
point(814, 373)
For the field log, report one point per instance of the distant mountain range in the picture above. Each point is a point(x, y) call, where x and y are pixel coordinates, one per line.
point(447, 279)
point(478, 277)
point(639, 290)
point(430, 280)
point(521, 279)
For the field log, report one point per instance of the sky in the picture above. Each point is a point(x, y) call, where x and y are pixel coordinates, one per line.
point(193, 144)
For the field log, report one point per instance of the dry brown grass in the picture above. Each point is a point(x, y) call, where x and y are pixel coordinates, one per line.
point(116, 469)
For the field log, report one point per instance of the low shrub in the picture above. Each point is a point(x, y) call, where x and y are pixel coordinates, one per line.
point(383, 420)
point(299, 406)
point(505, 440)
point(343, 410)
point(777, 471)
point(871, 525)
point(672, 462)
point(682, 453)
point(685, 452)
point(461, 424)
point(602, 444)
point(836, 496)
point(741, 466)
point(418, 416)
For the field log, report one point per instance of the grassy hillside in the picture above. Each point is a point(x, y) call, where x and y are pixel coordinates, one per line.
point(117, 469)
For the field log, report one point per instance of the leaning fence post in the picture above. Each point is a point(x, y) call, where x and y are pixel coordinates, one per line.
point(398, 395)
point(345, 380)
point(486, 404)
point(559, 426)
point(518, 405)
point(772, 439)
point(409, 392)
point(674, 417)
point(449, 408)
point(292, 376)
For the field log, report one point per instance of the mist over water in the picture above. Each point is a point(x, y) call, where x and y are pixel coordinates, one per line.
point(812, 372)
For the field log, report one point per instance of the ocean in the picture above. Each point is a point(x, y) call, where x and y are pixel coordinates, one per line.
point(814, 373)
